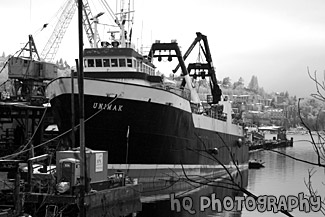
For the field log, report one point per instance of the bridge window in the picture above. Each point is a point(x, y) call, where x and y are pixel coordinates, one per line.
point(106, 62)
point(129, 62)
point(99, 63)
point(138, 66)
point(91, 63)
point(122, 62)
point(114, 63)
point(134, 63)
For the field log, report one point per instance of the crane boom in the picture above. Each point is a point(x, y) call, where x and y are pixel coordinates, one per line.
point(54, 41)
point(66, 16)
point(199, 37)
point(89, 24)
point(215, 89)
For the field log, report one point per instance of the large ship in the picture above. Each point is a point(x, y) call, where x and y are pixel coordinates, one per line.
point(160, 132)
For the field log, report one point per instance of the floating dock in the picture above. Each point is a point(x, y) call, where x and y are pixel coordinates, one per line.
point(120, 201)
point(271, 144)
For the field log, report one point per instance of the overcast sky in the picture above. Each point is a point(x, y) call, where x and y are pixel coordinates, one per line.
point(276, 40)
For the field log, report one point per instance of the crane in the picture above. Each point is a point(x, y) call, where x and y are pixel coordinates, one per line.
point(216, 91)
point(89, 23)
point(52, 45)
point(54, 41)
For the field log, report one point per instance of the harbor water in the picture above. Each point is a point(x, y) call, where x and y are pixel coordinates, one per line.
point(281, 176)
point(285, 176)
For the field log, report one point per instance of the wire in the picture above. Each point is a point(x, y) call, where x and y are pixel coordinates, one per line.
point(55, 16)
point(3, 67)
point(31, 138)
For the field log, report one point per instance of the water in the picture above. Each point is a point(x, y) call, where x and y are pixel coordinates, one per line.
point(285, 176)
point(281, 176)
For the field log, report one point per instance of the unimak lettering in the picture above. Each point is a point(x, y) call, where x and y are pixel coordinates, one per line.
point(107, 106)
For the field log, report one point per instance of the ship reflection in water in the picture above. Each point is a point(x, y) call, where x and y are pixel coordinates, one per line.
point(189, 204)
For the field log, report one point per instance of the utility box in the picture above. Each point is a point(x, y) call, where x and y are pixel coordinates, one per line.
point(96, 163)
point(69, 171)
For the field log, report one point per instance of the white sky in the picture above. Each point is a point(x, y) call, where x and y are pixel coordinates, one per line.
point(276, 40)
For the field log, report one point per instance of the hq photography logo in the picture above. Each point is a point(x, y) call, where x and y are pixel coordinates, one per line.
point(262, 203)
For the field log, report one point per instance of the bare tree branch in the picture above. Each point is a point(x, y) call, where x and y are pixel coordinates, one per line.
point(310, 133)
point(312, 191)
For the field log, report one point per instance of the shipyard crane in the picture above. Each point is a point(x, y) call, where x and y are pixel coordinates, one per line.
point(89, 23)
point(54, 41)
point(66, 16)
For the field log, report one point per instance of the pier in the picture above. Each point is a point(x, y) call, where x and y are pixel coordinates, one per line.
point(40, 192)
point(271, 144)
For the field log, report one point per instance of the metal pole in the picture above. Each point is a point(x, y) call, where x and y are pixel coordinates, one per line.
point(17, 199)
point(127, 146)
point(73, 139)
point(81, 112)
point(95, 33)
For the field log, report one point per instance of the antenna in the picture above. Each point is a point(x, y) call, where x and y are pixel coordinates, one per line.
point(141, 49)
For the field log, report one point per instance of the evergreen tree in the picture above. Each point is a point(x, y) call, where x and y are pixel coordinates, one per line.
point(61, 62)
point(239, 83)
point(226, 82)
point(253, 84)
point(66, 65)
point(261, 91)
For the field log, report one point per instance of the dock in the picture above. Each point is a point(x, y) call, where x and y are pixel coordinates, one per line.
point(257, 140)
point(271, 144)
point(120, 201)
point(41, 194)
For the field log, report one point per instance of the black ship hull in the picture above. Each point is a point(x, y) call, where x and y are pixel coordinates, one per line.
point(150, 133)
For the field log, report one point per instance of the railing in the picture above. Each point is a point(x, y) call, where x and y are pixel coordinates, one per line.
point(184, 93)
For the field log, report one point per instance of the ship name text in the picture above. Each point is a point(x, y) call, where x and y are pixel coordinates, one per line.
point(107, 106)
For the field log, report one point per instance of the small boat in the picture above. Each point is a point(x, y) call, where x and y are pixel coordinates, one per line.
point(254, 164)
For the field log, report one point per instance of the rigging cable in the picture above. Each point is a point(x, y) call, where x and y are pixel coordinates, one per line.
point(55, 16)
point(31, 138)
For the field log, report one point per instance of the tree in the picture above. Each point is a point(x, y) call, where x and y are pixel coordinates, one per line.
point(241, 80)
point(239, 83)
point(261, 91)
point(273, 103)
point(3, 54)
point(66, 65)
point(60, 63)
point(226, 82)
point(253, 84)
